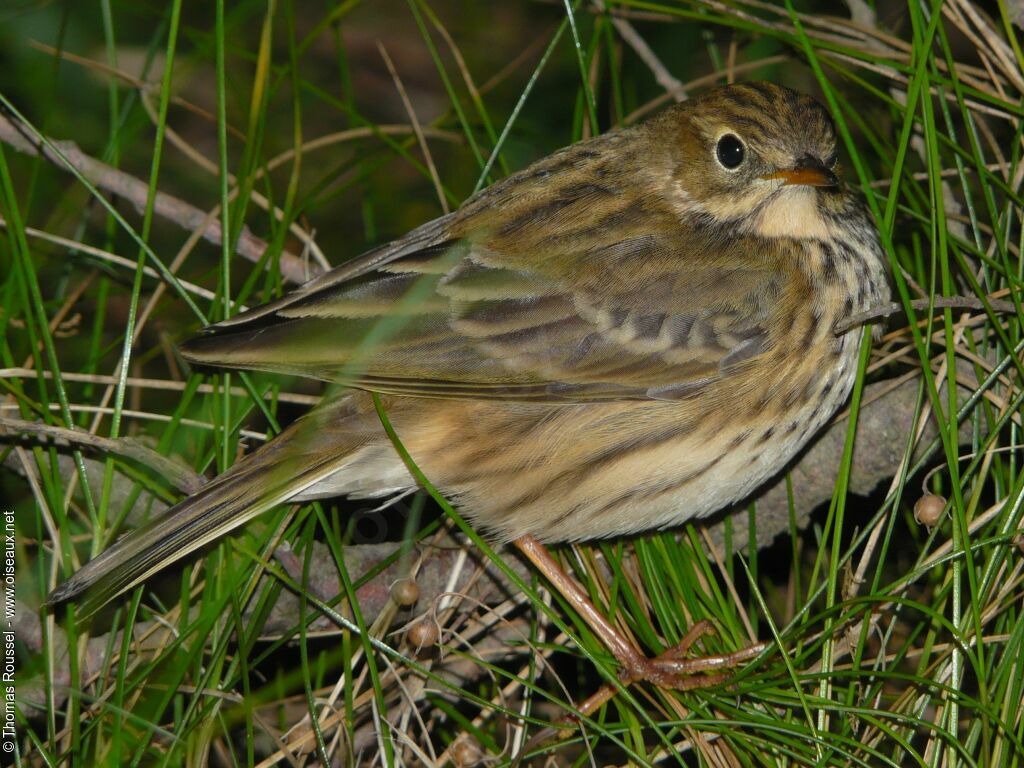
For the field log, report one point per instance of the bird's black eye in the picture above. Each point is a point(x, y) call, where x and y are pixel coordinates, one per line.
point(730, 151)
point(831, 160)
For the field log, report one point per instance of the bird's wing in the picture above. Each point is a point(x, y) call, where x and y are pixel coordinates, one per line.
point(576, 295)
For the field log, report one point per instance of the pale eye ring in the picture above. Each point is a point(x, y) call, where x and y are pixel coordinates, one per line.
point(730, 151)
point(832, 159)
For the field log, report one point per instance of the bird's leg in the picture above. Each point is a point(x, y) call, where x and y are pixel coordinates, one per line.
point(669, 670)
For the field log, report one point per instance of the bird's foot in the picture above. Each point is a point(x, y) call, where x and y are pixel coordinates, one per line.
point(673, 670)
point(669, 670)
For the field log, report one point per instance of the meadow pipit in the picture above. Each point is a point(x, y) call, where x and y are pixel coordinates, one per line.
point(633, 332)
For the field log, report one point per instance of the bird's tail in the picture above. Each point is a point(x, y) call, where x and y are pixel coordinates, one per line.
point(315, 448)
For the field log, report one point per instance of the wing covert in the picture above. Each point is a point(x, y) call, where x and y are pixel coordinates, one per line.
point(602, 297)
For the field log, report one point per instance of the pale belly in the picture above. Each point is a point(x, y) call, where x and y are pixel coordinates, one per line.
point(593, 471)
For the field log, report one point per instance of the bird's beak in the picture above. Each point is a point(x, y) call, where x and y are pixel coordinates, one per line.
point(809, 171)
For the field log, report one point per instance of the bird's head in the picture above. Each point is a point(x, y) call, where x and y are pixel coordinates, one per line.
point(755, 155)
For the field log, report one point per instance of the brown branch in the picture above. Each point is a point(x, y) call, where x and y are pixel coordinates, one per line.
point(939, 302)
point(109, 179)
point(180, 476)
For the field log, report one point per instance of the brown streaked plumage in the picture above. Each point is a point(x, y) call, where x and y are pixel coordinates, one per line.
point(633, 332)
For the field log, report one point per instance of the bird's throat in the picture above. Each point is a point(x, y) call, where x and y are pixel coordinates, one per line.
point(792, 213)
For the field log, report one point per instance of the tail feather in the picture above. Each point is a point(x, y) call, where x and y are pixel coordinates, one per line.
point(313, 449)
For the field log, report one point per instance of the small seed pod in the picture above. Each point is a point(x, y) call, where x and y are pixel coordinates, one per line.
point(405, 592)
point(928, 509)
point(466, 753)
point(423, 633)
